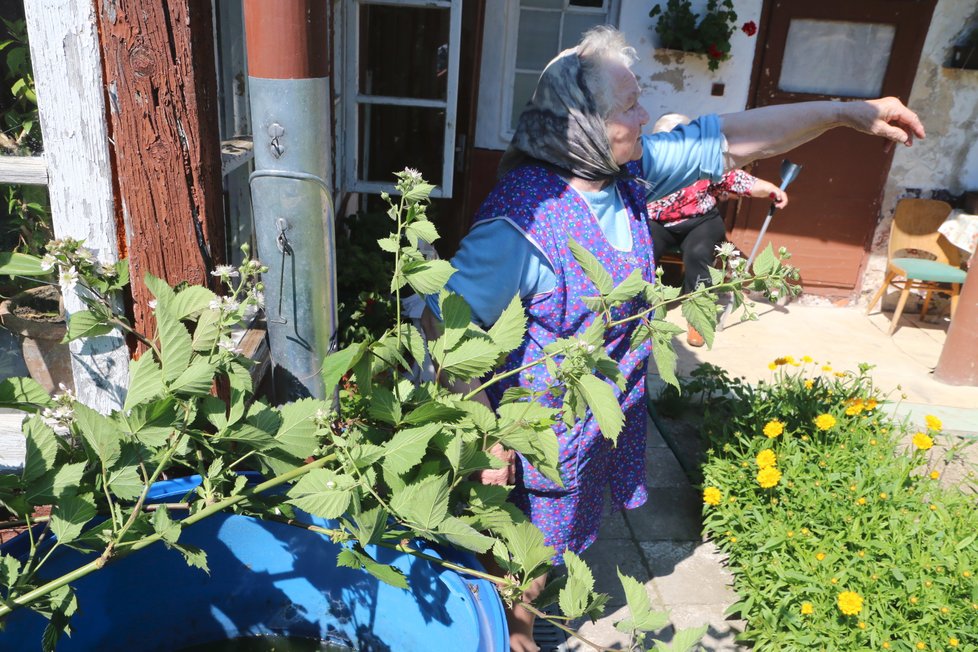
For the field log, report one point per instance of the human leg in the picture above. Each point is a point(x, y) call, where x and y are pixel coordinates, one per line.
point(699, 249)
point(662, 240)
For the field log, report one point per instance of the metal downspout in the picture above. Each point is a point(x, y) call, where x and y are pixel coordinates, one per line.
point(293, 211)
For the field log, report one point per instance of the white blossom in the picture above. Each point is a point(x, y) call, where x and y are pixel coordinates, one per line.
point(726, 249)
point(229, 345)
point(69, 278)
point(152, 304)
point(225, 271)
point(48, 262)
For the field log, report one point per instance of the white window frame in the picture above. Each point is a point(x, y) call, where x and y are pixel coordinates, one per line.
point(352, 98)
point(493, 128)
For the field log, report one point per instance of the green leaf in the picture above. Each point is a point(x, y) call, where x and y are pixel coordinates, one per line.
point(765, 262)
point(150, 423)
point(17, 264)
point(337, 364)
point(160, 289)
point(406, 448)
point(592, 267)
point(433, 411)
point(145, 381)
point(207, 332)
point(470, 359)
point(99, 431)
point(41, 449)
point(359, 560)
point(194, 556)
point(641, 616)
point(164, 526)
point(459, 534)
point(196, 380)
point(509, 329)
point(627, 289)
point(384, 406)
point(575, 597)
point(525, 544)
point(428, 276)
point(23, 394)
point(604, 405)
point(390, 245)
point(701, 312)
point(297, 435)
point(250, 436)
point(190, 300)
point(370, 525)
point(323, 493)
point(176, 346)
point(424, 504)
point(423, 230)
point(662, 351)
point(69, 516)
point(85, 323)
point(123, 478)
point(456, 317)
point(9, 570)
point(418, 193)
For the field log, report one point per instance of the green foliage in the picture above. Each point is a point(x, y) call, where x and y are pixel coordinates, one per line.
point(390, 462)
point(858, 508)
point(680, 28)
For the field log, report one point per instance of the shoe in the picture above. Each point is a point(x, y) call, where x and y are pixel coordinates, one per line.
point(693, 338)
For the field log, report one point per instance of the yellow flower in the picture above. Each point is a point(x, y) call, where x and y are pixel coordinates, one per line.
point(862, 625)
point(870, 404)
point(807, 609)
point(712, 496)
point(966, 573)
point(790, 534)
point(773, 428)
point(861, 501)
point(953, 642)
point(768, 477)
point(921, 645)
point(933, 423)
point(834, 580)
point(820, 556)
point(824, 421)
point(772, 366)
point(839, 374)
point(782, 361)
point(809, 384)
point(853, 410)
point(914, 599)
point(827, 367)
point(806, 359)
point(934, 475)
point(850, 603)
point(886, 645)
point(944, 610)
point(922, 441)
point(766, 458)
point(883, 496)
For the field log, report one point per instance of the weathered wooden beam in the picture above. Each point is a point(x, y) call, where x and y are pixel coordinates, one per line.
point(235, 152)
point(30, 170)
point(161, 80)
point(67, 64)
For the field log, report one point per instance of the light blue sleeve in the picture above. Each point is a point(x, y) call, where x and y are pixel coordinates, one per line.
point(494, 263)
point(675, 159)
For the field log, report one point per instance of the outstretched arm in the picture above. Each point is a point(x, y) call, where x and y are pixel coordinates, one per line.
point(771, 130)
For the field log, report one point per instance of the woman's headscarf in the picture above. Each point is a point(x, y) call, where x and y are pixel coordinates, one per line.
point(561, 125)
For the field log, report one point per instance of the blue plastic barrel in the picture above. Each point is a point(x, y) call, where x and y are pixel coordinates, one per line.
point(266, 579)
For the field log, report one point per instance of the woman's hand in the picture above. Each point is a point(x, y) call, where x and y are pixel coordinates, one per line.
point(886, 117)
point(503, 476)
point(766, 190)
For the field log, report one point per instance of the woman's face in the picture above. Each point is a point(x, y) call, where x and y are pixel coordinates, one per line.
point(625, 122)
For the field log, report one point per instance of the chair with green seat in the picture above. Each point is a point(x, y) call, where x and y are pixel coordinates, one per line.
point(915, 232)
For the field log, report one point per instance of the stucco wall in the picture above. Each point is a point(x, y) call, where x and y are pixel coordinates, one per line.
point(946, 162)
point(678, 82)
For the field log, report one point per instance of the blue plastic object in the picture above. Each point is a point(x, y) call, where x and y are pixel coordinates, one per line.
point(265, 578)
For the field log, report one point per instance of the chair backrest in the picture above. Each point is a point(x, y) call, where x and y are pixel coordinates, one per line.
point(915, 227)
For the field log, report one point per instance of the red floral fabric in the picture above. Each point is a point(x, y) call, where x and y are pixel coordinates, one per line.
point(699, 198)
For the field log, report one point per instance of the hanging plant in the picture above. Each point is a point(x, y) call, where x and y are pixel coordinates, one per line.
point(680, 28)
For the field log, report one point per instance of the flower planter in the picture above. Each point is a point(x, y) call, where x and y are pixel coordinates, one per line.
point(266, 579)
point(27, 315)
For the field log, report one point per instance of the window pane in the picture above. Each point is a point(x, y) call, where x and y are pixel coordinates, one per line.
point(546, 4)
point(395, 137)
point(20, 129)
point(575, 25)
point(404, 51)
point(538, 40)
point(852, 58)
point(523, 86)
point(598, 4)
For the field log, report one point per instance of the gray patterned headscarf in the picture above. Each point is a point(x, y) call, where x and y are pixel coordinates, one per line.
point(561, 125)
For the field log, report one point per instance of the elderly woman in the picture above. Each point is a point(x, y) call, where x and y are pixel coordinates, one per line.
point(579, 167)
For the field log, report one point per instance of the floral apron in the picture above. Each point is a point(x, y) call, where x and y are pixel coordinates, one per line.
point(548, 211)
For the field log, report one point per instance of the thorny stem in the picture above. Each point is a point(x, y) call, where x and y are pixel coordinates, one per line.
point(128, 547)
point(539, 614)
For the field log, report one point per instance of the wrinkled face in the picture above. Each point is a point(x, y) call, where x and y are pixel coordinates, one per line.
point(625, 122)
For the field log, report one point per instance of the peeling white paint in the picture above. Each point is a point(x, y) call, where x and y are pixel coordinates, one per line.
point(947, 101)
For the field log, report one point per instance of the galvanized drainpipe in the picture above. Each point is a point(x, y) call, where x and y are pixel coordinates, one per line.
point(293, 213)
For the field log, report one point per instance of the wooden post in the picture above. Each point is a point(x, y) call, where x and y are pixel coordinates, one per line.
point(958, 364)
point(162, 88)
point(71, 99)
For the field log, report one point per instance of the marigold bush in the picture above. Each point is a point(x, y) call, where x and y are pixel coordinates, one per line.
point(838, 531)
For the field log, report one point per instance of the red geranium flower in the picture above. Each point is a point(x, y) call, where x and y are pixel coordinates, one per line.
point(714, 52)
point(749, 28)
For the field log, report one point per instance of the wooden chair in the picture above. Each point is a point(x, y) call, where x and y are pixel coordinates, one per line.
point(915, 230)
